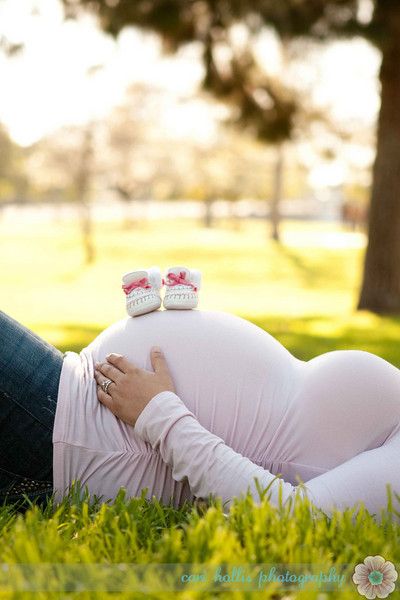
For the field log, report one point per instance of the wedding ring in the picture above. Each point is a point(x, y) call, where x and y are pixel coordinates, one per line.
point(105, 385)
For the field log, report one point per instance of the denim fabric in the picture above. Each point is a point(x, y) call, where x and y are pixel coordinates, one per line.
point(30, 371)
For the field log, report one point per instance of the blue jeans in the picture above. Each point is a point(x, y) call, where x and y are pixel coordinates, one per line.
point(29, 378)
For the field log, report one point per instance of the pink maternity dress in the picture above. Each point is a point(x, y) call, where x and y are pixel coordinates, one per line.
point(245, 409)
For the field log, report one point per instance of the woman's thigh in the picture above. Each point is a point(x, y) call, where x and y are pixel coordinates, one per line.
point(365, 478)
point(29, 377)
point(347, 402)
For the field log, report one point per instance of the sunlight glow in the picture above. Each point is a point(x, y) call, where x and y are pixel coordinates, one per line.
point(50, 83)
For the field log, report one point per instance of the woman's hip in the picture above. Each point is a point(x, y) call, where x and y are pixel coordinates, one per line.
point(346, 402)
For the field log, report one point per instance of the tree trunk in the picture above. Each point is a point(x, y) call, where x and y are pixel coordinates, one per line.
point(380, 291)
point(130, 221)
point(208, 212)
point(275, 216)
point(82, 186)
point(87, 235)
point(235, 218)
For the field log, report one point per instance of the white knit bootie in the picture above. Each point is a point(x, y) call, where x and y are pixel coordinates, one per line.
point(181, 288)
point(142, 289)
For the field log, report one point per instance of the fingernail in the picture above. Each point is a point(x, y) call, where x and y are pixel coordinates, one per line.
point(156, 349)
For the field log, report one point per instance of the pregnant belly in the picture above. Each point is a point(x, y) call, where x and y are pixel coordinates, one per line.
point(236, 378)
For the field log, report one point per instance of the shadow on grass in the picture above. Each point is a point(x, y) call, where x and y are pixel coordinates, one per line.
point(320, 269)
point(307, 337)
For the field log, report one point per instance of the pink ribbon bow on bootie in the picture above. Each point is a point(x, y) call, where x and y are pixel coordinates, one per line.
point(139, 283)
point(178, 280)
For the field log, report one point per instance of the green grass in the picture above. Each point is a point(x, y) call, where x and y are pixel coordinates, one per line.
point(303, 292)
point(136, 531)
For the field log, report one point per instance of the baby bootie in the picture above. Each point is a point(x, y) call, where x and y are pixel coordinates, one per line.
point(181, 288)
point(142, 289)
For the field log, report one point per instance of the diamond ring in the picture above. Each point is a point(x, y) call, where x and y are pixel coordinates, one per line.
point(106, 384)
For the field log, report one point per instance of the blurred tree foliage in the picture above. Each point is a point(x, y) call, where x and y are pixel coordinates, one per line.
point(265, 105)
point(273, 109)
point(8, 47)
point(63, 166)
point(143, 157)
point(13, 180)
point(139, 163)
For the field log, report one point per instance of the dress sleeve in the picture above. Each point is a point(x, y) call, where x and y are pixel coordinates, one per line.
point(195, 454)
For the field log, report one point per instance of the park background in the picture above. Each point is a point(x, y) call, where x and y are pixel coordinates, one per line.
point(256, 141)
point(237, 141)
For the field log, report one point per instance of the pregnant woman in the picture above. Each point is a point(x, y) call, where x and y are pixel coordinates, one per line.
point(224, 409)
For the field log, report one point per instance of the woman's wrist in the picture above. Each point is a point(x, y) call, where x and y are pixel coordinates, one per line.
point(163, 410)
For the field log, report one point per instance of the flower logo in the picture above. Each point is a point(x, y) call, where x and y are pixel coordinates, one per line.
point(375, 577)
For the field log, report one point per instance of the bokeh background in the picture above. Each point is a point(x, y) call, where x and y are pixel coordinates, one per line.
point(257, 141)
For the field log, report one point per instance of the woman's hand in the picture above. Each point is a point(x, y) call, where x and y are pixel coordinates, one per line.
point(131, 388)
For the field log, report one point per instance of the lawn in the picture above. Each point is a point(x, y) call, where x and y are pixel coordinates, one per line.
point(303, 292)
